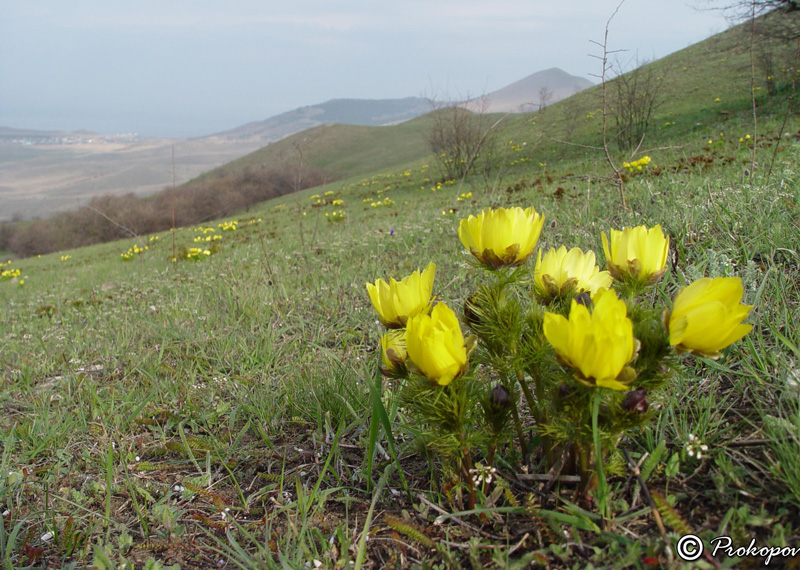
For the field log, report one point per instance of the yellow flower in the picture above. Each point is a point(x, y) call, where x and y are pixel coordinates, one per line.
point(435, 344)
point(561, 271)
point(397, 301)
point(393, 354)
point(501, 237)
point(707, 316)
point(597, 344)
point(638, 254)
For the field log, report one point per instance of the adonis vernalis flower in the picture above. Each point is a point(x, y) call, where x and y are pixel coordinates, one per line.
point(707, 316)
point(503, 237)
point(393, 354)
point(436, 346)
point(598, 344)
point(561, 271)
point(637, 254)
point(397, 301)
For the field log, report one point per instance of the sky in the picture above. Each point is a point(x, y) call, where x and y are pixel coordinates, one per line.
point(186, 68)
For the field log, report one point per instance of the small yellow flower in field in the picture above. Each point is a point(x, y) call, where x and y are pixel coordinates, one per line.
point(65, 257)
point(561, 271)
point(436, 346)
point(638, 254)
point(707, 316)
point(501, 237)
point(397, 301)
point(597, 344)
point(393, 353)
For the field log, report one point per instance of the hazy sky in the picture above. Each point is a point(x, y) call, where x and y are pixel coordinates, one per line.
point(194, 67)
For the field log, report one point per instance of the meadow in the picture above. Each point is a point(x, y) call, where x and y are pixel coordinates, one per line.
point(206, 397)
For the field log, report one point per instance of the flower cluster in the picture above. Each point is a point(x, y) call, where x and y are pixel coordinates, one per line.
point(201, 239)
point(132, 252)
point(196, 253)
point(65, 257)
point(426, 339)
point(636, 165)
point(585, 346)
point(228, 226)
point(385, 202)
point(335, 216)
point(7, 274)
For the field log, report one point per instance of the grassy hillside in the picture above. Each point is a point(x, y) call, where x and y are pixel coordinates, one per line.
point(225, 409)
point(704, 86)
point(342, 151)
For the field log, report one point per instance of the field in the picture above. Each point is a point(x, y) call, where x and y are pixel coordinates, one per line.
point(43, 179)
point(225, 410)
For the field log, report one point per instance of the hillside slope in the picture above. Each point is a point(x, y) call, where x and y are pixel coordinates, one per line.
point(363, 112)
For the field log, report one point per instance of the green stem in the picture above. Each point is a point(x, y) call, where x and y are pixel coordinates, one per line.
point(528, 394)
point(490, 461)
point(523, 446)
point(602, 485)
point(466, 466)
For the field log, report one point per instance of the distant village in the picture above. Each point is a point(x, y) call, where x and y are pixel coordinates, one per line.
point(49, 138)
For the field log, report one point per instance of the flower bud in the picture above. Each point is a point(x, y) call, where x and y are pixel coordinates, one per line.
point(472, 311)
point(393, 354)
point(636, 401)
point(500, 398)
point(565, 392)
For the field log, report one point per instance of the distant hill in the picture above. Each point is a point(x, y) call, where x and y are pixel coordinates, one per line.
point(360, 112)
point(526, 95)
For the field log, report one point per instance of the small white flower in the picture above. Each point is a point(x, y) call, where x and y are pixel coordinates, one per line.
point(482, 474)
point(695, 447)
point(47, 537)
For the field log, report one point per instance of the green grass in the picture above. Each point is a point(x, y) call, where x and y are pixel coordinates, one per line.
point(342, 151)
point(191, 412)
